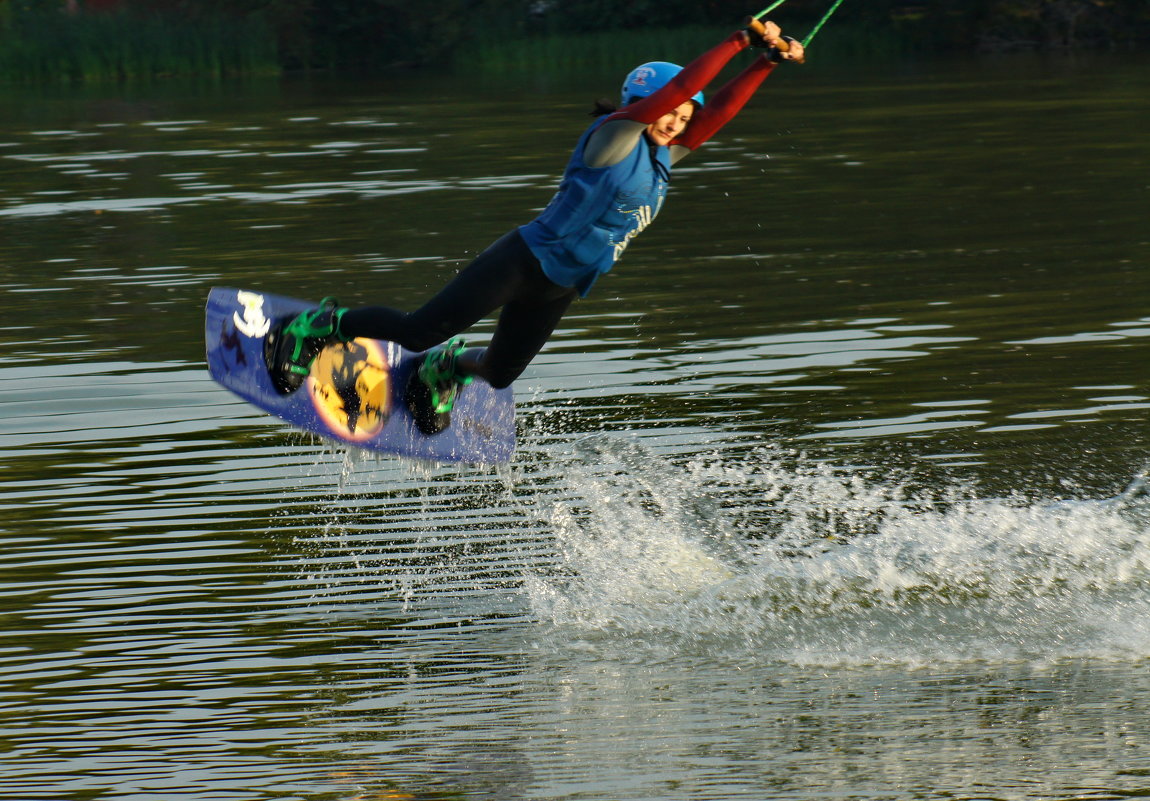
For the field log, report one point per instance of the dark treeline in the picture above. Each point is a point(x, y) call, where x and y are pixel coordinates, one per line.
point(378, 33)
point(375, 35)
point(948, 23)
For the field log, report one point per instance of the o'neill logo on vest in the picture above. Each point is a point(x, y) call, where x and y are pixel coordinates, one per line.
point(642, 217)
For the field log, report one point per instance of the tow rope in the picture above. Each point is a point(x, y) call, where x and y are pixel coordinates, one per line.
point(817, 27)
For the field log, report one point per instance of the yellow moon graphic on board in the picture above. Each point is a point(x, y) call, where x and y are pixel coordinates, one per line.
point(350, 386)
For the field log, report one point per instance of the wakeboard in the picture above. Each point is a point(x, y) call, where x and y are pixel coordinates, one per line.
point(354, 393)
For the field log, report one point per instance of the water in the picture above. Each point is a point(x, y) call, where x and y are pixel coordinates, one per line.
point(834, 489)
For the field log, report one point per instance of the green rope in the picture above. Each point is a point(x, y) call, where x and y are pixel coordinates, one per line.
point(822, 22)
point(769, 9)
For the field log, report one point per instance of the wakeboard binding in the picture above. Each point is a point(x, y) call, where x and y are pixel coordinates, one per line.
point(433, 388)
point(293, 342)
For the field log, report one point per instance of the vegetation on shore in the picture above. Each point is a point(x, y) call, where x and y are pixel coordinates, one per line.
point(39, 42)
point(132, 39)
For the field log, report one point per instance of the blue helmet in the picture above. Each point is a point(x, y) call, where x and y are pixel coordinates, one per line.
point(650, 77)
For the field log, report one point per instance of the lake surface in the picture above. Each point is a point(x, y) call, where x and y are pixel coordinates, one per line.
point(832, 489)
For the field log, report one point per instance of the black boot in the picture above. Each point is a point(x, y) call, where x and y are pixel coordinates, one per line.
point(433, 388)
point(291, 347)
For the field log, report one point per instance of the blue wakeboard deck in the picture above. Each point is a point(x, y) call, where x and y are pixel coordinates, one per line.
point(354, 394)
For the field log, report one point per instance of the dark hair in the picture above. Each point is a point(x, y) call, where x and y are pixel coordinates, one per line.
point(603, 106)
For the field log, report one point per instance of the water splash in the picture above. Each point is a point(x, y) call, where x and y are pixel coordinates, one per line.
point(804, 562)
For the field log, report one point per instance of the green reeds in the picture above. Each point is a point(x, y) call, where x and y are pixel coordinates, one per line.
point(560, 54)
point(42, 45)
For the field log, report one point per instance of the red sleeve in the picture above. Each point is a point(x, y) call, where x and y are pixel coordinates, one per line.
point(686, 84)
point(727, 102)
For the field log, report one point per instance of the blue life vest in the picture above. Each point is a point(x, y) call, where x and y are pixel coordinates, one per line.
point(596, 212)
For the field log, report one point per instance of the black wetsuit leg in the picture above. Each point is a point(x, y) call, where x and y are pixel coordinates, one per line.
point(506, 275)
point(523, 329)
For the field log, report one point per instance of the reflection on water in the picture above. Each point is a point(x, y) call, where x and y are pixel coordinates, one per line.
point(835, 487)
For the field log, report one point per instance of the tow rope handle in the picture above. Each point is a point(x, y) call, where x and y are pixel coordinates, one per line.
point(782, 45)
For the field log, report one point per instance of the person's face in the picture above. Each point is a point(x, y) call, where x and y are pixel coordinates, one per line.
point(671, 124)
